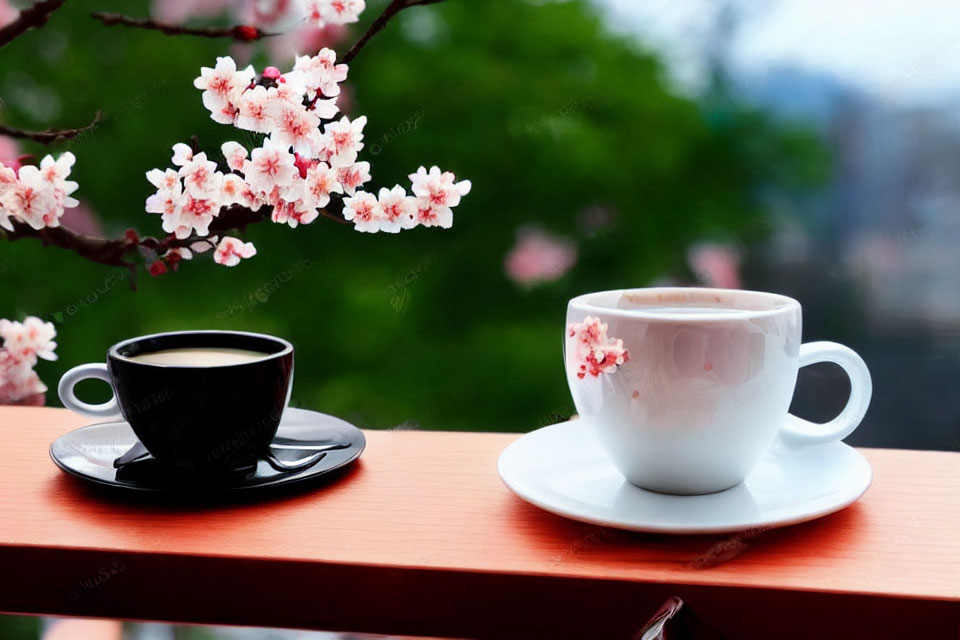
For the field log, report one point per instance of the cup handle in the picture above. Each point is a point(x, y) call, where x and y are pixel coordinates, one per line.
point(69, 399)
point(799, 431)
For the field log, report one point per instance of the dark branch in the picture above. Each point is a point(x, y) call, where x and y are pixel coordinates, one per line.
point(50, 135)
point(121, 252)
point(30, 18)
point(243, 32)
point(102, 250)
point(395, 7)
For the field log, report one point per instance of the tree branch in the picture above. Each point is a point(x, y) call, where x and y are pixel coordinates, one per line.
point(395, 7)
point(30, 18)
point(242, 32)
point(50, 135)
point(120, 252)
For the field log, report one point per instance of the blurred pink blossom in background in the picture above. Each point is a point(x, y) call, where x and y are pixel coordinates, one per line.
point(715, 265)
point(539, 257)
point(304, 38)
point(178, 11)
point(8, 13)
point(82, 219)
point(9, 149)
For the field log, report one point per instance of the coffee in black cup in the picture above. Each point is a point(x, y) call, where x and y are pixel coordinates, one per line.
point(199, 401)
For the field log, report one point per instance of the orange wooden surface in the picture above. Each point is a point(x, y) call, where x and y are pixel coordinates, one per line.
point(424, 521)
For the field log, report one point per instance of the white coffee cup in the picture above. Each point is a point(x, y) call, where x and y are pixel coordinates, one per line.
point(700, 385)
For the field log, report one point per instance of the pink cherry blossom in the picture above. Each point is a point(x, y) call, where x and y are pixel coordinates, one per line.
point(592, 352)
point(364, 211)
point(233, 190)
point(222, 87)
point(293, 213)
point(305, 158)
point(19, 384)
point(270, 166)
point(439, 187)
point(323, 12)
point(290, 88)
point(23, 344)
point(394, 210)
point(294, 126)
point(254, 110)
point(169, 196)
point(31, 339)
point(321, 73)
point(319, 183)
point(32, 199)
point(8, 181)
point(353, 176)
point(230, 251)
point(235, 154)
point(427, 214)
point(344, 138)
point(55, 172)
point(182, 154)
point(200, 176)
point(194, 215)
point(289, 206)
point(273, 16)
point(539, 256)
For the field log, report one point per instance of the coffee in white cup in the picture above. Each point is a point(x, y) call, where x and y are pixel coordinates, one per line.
point(686, 388)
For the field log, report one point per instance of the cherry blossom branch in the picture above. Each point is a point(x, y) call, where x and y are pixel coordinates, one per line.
point(395, 7)
point(118, 252)
point(242, 32)
point(30, 18)
point(101, 250)
point(50, 135)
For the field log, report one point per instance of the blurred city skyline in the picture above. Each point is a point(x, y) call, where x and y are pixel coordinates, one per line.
point(908, 52)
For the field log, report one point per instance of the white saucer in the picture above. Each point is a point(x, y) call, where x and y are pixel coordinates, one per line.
point(563, 469)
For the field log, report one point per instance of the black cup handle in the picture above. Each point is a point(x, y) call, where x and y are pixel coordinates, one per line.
point(290, 467)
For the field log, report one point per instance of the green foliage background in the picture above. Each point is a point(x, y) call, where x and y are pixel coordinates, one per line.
point(539, 104)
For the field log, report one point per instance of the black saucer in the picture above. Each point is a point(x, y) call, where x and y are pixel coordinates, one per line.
point(89, 452)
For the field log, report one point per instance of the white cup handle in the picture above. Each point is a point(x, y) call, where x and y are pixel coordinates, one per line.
point(799, 431)
point(69, 399)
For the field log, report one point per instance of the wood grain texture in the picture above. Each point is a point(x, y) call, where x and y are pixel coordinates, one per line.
point(422, 537)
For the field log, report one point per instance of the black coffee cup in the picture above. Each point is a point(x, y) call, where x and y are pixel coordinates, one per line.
point(216, 418)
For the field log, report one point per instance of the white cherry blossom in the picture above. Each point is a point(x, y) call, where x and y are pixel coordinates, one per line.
point(427, 214)
point(353, 176)
point(294, 126)
point(30, 339)
point(222, 86)
point(254, 110)
point(439, 187)
point(233, 190)
point(32, 199)
point(235, 154)
point(324, 12)
point(319, 183)
point(169, 196)
point(200, 176)
point(364, 211)
point(344, 138)
point(230, 251)
point(270, 166)
point(55, 172)
point(182, 154)
point(321, 73)
point(395, 210)
point(290, 88)
point(23, 343)
point(194, 215)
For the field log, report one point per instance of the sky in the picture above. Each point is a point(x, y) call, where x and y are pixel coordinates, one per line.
point(907, 50)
